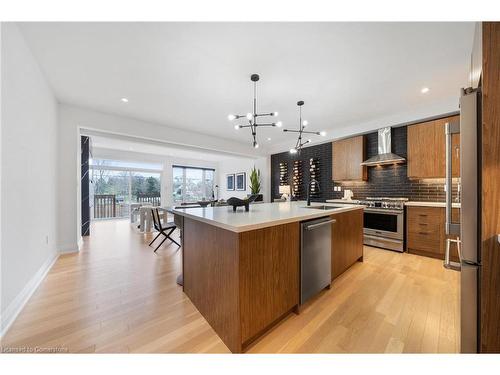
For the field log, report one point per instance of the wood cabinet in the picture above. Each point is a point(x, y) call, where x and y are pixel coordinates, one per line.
point(425, 232)
point(347, 240)
point(347, 156)
point(242, 283)
point(426, 149)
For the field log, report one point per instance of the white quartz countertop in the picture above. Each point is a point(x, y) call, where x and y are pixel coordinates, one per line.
point(260, 215)
point(430, 204)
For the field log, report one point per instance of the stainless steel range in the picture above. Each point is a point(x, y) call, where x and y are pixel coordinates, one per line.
point(384, 222)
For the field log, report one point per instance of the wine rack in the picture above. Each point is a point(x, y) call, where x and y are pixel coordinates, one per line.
point(284, 173)
point(297, 180)
point(314, 172)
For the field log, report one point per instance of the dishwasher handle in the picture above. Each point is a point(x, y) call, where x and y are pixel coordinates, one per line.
point(314, 226)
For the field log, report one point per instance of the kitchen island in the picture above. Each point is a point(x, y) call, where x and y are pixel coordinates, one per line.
point(242, 269)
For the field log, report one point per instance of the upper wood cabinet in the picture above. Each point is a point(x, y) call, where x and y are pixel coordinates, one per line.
point(426, 149)
point(347, 156)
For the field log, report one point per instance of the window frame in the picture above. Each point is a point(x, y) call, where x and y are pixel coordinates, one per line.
point(183, 185)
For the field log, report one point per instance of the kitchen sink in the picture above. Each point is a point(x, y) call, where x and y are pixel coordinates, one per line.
point(322, 207)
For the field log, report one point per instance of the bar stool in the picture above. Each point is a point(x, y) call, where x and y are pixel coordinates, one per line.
point(447, 263)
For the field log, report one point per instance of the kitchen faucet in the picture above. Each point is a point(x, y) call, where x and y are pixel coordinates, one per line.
point(309, 189)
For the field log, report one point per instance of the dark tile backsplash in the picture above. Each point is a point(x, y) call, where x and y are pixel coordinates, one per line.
point(383, 181)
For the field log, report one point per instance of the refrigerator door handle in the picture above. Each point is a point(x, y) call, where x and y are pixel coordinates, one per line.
point(450, 129)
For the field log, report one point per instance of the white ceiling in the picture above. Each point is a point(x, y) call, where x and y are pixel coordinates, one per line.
point(192, 75)
point(152, 150)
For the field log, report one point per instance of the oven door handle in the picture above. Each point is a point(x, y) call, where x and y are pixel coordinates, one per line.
point(383, 211)
point(384, 238)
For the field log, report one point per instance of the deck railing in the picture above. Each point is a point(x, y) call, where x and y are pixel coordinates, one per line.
point(106, 206)
point(154, 199)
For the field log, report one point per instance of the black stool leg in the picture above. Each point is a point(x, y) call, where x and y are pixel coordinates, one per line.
point(171, 239)
point(161, 243)
point(154, 239)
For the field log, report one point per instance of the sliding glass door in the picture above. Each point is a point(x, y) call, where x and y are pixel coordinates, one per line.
point(115, 188)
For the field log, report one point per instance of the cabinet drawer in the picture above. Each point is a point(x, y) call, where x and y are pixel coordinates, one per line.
point(430, 216)
point(425, 241)
point(428, 228)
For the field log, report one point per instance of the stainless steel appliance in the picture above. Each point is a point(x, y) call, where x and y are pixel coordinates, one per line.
point(467, 229)
point(385, 155)
point(315, 256)
point(384, 222)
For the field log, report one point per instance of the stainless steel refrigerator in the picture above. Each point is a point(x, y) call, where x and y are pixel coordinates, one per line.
point(468, 228)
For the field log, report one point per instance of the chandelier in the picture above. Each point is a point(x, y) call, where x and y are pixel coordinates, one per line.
point(301, 131)
point(252, 117)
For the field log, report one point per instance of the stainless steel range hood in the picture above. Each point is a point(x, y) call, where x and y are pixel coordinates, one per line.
point(385, 156)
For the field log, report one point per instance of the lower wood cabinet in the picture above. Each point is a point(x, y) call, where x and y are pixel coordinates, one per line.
point(347, 240)
point(425, 232)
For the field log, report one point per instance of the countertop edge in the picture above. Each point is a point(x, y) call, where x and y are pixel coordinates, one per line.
point(430, 204)
point(250, 227)
point(408, 203)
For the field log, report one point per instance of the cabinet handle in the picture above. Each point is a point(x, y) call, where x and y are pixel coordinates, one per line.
point(422, 214)
point(422, 223)
point(425, 233)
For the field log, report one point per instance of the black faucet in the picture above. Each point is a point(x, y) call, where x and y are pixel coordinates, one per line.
point(309, 190)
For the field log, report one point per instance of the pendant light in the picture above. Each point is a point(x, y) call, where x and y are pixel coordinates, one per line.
point(301, 131)
point(252, 117)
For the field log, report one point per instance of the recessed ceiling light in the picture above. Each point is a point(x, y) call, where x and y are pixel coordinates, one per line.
point(424, 90)
point(268, 139)
point(124, 100)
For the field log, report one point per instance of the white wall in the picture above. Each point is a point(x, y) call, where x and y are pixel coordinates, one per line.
point(244, 165)
point(28, 174)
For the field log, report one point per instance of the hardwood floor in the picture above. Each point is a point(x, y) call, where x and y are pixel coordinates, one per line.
point(116, 295)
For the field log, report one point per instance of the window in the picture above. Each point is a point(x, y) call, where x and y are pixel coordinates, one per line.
point(117, 185)
point(191, 184)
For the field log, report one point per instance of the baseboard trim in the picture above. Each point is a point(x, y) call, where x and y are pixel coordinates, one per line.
point(16, 306)
point(66, 249)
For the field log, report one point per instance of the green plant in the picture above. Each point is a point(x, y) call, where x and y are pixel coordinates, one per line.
point(255, 181)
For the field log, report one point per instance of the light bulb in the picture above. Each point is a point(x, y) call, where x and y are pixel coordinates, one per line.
point(236, 127)
point(305, 123)
point(231, 117)
point(249, 116)
point(309, 141)
point(279, 124)
point(293, 151)
point(275, 114)
point(268, 139)
point(124, 100)
point(322, 134)
point(424, 90)
point(255, 145)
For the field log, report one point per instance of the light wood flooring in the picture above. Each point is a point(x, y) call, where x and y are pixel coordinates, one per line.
point(116, 295)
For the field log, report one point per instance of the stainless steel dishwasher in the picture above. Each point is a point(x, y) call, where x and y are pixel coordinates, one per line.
point(315, 256)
